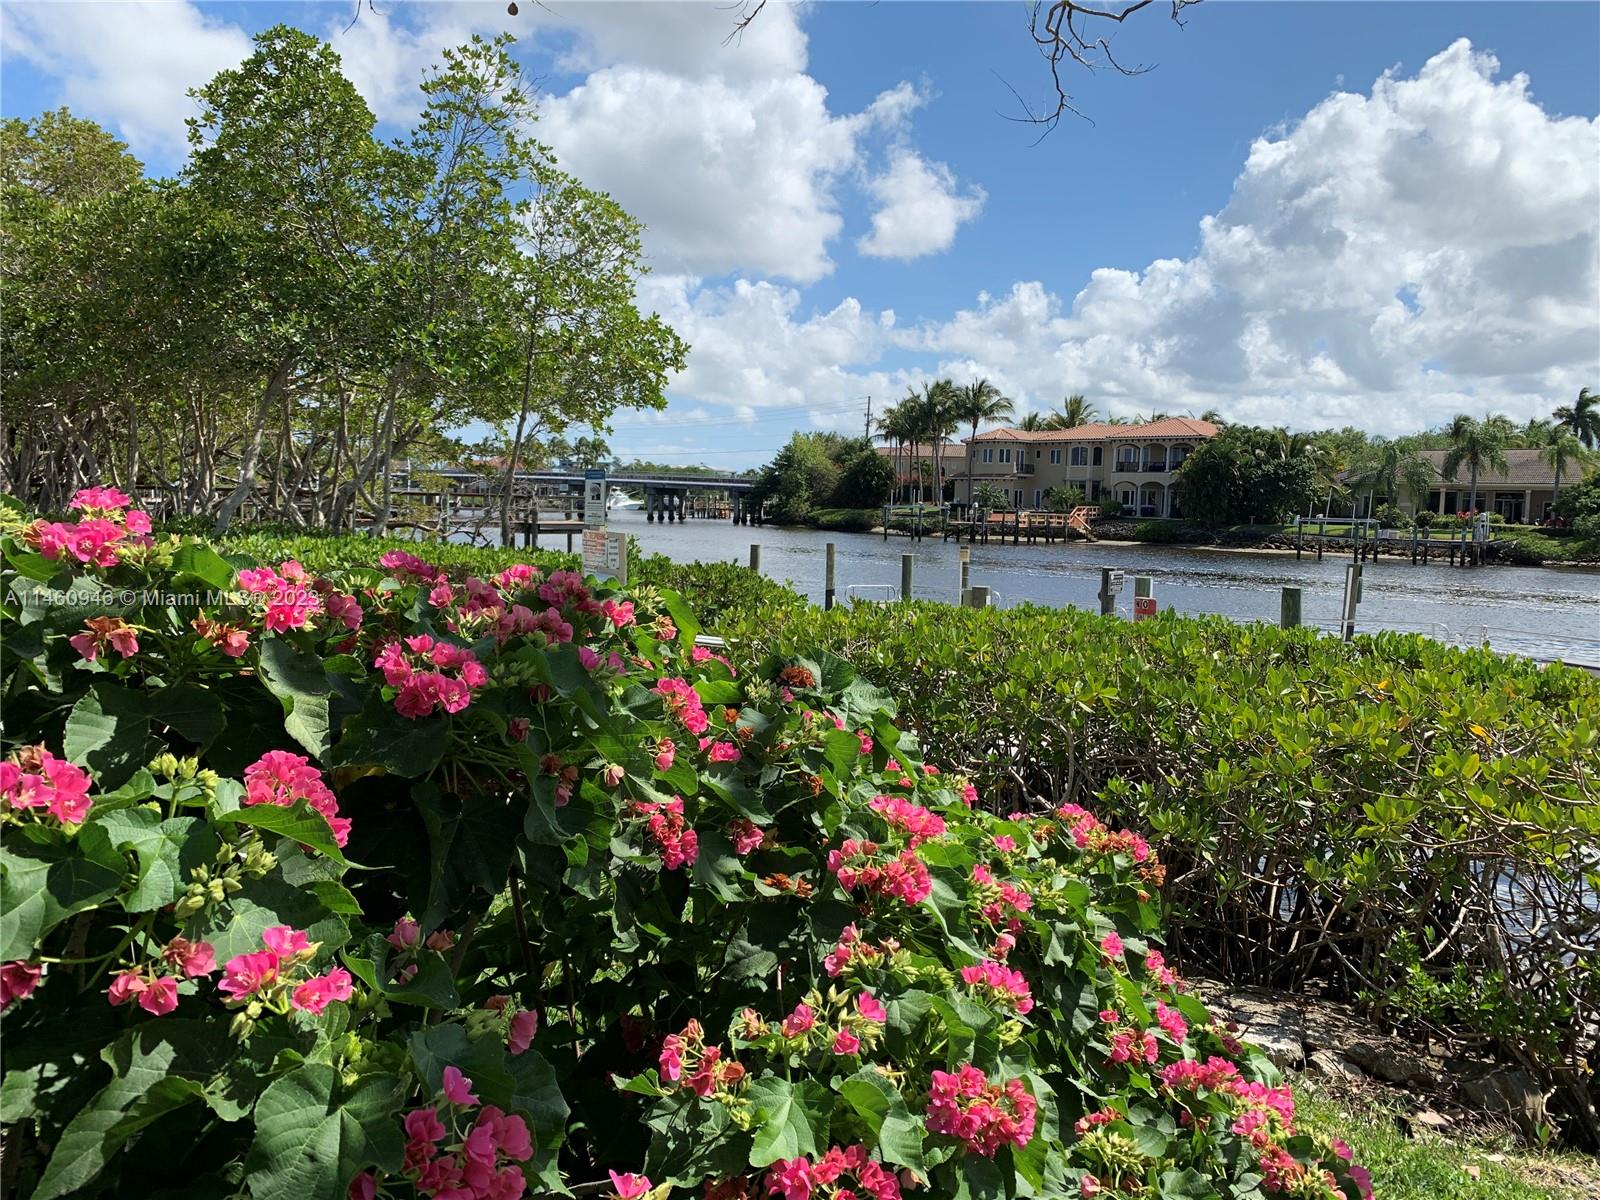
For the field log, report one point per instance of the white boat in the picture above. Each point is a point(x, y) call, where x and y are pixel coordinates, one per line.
point(622, 500)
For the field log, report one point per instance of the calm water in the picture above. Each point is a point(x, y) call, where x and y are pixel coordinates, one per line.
point(1544, 612)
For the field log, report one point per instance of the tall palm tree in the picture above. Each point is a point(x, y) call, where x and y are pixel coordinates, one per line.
point(979, 401)
point(936, 419)
point(1582, 419)
point(1034, 422)
point(899, 425)
point(1213, 417)
point(1075, 411)
point(1389, 466)
point(1560, 447)
point(1476, 445)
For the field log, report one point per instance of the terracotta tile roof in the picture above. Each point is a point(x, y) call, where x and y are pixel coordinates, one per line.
point(1167, 427)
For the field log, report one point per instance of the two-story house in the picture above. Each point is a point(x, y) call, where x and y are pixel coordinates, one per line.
point(1134, 464)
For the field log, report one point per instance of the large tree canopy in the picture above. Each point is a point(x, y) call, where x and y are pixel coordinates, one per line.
point(306, 306)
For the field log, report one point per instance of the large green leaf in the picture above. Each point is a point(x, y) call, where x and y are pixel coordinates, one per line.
point(42, 888)
point(108, 731)
point(433, 986)
point(205, 564)
point(166, 851)
point(470, 845)
point(379, 736)
point(302, 824)
point(299, 679)
point(195, 712)
point(791, 1119)
point(158, 1066)
point(879, 1103)
point(313, 1134)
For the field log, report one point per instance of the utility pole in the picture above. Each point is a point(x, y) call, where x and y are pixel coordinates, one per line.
point(869, 420)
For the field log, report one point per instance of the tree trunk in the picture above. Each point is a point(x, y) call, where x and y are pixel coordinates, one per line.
point(252, 451)
point(1555, 493)
point(972, 453)
point(516, 449)
point(382, 526)
point(1472, 503)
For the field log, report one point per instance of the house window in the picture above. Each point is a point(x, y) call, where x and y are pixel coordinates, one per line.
point(1016, 498)
point(1005, 454)
point(1055, 458)
point(988, 454)
point(1080, 456)
point(1099, 452)
point(1037, 455)
point(1036, 495)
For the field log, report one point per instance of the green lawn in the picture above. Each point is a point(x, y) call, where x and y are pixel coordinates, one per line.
point(1440, 1167)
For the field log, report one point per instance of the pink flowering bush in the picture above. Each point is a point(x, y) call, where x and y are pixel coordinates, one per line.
point(400, 881)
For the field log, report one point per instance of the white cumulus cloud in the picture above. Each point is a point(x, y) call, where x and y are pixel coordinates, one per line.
point(920, 208)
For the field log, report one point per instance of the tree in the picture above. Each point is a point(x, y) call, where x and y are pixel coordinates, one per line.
point(59, 159)
point(867, 480)
point(1063, 499)
point(1582, 418)
point(800, 477)
point(1247, 474)
point(991, 497)
point(1560, 448)
point(977, 402)
point(1387, 466)
point(937, 418)
point(899, 426)
point(1075, 411)
point(1477, 445)
point(1034, 422)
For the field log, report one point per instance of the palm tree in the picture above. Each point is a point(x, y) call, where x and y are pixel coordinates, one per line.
point(936, 419)
point(1213, 417)
point(1075, 411)
point(1034, 422)
point(1390, 465)
point(1560, 447)
point(1477, 445)
point(1582, 419)
point(979, 401)
point(896, 426)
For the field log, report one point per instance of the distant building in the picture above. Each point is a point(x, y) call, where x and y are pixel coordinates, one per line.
point(1522, 494)
point(1134, 464)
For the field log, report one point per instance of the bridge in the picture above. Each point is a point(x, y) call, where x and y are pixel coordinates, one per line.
point(666, 496)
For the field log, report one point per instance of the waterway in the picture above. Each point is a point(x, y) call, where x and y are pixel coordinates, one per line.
point(1544, 612)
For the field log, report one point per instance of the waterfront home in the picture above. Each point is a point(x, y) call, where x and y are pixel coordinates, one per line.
point(1134, 464)
point(1522, 493)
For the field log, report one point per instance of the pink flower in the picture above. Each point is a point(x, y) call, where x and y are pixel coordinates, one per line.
point(612, 775)
point(792, 1177)
point(1111, 945)
point(101, 632)
point(1005, 842)
point(405, 935)
point(246, 974)
point(316, 993)
point(363, 1187)
point(441, 940)
point(630, 1187)
point(746, 835)
point(17, 981)
point(194, 959)
point(457, 1088)
point(798, 1022)
point(102, 499)
point(161, 997)
point(1088, 1186)
point(423, 1125)
point(588, 658)
point(68, 799)
point(283, 779)
point(845, 1042)
point(125, 987)
point(870, 1007)
point(285, 941)
point(666, 751)
point(523, 1026)
point(724, 752)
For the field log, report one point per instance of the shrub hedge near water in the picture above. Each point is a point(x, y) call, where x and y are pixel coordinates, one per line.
point(1391, 819)
point(391, 880)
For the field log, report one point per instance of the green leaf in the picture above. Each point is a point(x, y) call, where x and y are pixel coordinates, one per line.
point(108, 731)
point(167, 851)
point(299, 679)
point(880, 1105)
point(205, 564)
point(302, 824)
point(791, 1119)
point(470, 845)
point(433, 986)
point(313, 1134)
point(158, 1067)
point(195, 712)
point(235, 926)
point(39, 890)
point(379, 736)
point(717, 868)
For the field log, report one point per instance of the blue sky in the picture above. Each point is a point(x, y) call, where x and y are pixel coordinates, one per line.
point(1307, 213)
